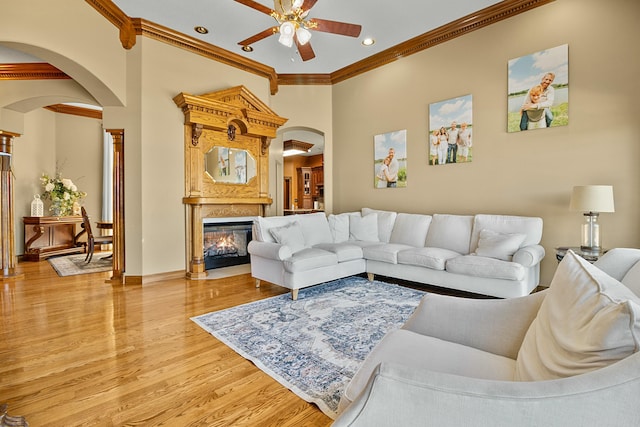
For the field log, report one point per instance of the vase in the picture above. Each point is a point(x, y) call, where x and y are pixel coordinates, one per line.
point(58, 210)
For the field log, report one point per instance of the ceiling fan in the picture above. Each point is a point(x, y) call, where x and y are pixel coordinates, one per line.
point(294, 27)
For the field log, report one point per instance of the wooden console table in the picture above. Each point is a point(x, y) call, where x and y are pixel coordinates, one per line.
point(46, 236)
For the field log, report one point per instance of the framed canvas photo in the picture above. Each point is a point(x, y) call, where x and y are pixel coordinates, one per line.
point(390, 159)
point(450, 131)
point(538, 92)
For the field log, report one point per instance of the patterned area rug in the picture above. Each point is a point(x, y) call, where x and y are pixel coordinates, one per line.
point(72, 265)
point(313, 346)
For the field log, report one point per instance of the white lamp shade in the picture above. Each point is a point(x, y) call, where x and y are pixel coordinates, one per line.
point(303, 35)
point(287, 30)
point(592, 198)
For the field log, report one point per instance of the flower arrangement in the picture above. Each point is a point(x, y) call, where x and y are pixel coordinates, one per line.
point(62, 192)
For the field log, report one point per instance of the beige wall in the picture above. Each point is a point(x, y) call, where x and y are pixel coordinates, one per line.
point(527, 173)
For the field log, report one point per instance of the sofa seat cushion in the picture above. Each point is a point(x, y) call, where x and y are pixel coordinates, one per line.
point(588, 320)
point(308, 259)
point(433, 258)
point(421, 351)
point(387, 252)
point(473, 265)
point(344, 251)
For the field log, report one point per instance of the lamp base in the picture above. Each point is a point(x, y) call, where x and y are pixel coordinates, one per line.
point(591, 250)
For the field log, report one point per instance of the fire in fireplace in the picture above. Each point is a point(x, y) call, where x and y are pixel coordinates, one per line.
point(225, 244)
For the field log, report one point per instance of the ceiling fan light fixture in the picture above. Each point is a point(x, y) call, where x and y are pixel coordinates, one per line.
point(287, 31)
point(303, 35)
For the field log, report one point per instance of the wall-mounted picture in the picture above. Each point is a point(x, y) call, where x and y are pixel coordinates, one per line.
point(390, 159)
point(450, 123)
point(539, 90)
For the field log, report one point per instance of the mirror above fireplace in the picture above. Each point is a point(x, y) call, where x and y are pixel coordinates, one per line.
point(229, 165)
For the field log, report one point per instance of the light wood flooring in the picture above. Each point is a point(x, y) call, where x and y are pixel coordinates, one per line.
point(76, 351)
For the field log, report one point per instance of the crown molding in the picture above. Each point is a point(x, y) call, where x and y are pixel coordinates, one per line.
point(475, 21)
point(75, 111)
point(129, 28)
point(31, 71)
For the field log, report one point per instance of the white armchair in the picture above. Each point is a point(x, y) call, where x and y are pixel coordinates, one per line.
point(409, 386)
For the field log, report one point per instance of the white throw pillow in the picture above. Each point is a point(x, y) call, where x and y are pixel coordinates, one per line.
point(386, 219)
point(339, 226)
point(588, 320)
point(364, 228)
point(499, 245)
point(289, 235)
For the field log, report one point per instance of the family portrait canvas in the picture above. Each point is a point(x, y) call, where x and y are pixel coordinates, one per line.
point(450, 131)
point(390, 159)
point(538, 92)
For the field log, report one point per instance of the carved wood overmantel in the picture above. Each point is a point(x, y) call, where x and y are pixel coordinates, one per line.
point(219, 124)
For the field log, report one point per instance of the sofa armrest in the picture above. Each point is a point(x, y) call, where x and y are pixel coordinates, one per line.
point(269, 250)
point(494, 325)
point(529, 255)
point(401, 396)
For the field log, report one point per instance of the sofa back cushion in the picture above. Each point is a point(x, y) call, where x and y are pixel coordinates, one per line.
point(451, 232)
point(531, 227)
point(410, 229)
point(263, 224)
point(386, 219)
point(315, 227)
point(339, 226)
point(588, 320)
point(364, 228)
point(632, 279)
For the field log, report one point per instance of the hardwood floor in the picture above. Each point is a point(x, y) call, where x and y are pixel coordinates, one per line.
point(76, 351)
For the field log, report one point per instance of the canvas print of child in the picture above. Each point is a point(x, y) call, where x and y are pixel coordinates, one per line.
point(390, 159)
point(538, 93)
point(450, 123)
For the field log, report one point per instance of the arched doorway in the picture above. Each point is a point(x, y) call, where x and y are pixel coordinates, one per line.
point(89, 90)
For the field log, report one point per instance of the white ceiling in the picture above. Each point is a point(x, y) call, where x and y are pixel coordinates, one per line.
point(229, 22)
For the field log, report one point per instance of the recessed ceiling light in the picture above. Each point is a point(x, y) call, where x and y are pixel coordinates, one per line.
point(201, 30)
point(368, 41)
point(247, 48)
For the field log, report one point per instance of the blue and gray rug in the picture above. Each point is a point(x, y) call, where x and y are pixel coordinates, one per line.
point(314, 346)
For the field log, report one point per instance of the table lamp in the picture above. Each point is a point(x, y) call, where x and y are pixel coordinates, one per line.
point(592, 199)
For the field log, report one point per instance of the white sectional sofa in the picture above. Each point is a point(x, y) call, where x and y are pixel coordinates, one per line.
point(495, 255)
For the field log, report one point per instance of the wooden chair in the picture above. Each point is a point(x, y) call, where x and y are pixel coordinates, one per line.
point(91, 239)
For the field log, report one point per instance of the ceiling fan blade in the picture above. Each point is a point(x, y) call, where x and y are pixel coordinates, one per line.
point(257, 37)
point(305, 50)
point(257, 6)
point(335, 27)
point(308, 4)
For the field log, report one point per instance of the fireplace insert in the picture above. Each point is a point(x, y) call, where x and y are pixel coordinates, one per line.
point(225, 244)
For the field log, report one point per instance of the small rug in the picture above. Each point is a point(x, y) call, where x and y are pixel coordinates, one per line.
point(72, 265)
point(314, 346)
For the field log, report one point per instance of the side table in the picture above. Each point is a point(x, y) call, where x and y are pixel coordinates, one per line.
point(588, 255)
point(47, 236)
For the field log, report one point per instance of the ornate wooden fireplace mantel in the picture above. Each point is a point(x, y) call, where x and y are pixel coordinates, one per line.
point(226, 151)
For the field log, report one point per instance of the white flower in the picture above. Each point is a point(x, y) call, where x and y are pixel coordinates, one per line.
point(73, 188)
point(66, 196)
point(67, 183)
point(49, 186)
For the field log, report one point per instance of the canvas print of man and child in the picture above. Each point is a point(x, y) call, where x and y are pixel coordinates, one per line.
point(539, 90)
point(390, 159)
point(450, 124)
